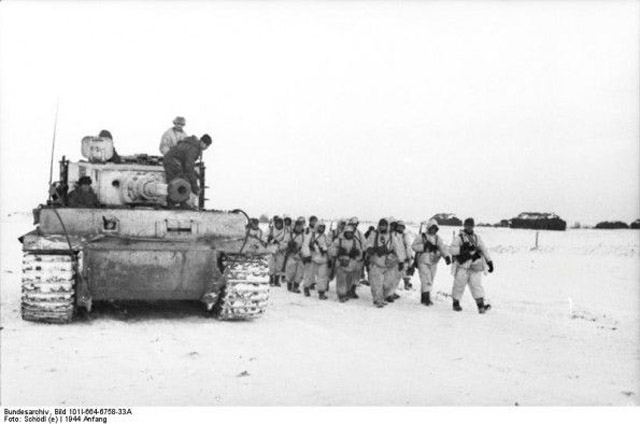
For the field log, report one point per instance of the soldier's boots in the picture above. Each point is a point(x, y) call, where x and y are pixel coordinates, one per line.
point(343, 299)
point(482, 308)
point(395, 296)
point(456, 305)
point(379, 304)
point(425, 299)
point(322, 295)
point(407, 284)
point(307, 292)
point(276, 281)
point(272, 280)
point(390, 299)
point(289, 286)
point(352, 293)
point(296, 288)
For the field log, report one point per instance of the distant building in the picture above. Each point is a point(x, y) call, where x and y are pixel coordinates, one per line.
point(447, 219)
point(611, 225)
point(635, 224)
point(539, 221)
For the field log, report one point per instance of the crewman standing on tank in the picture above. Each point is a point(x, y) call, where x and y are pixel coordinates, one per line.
point(293, 261)
point(470, 259)
point(180, 162)
point(384, 257)
point(316, 247)
point(173, 135)
point(429, 248)
point(347, 253)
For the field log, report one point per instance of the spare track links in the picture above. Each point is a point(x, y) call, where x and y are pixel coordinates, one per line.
point(48, 288)
point(246, 290)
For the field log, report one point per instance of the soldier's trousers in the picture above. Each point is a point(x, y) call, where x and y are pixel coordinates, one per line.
point(381, 281)
point(360, 275)
point(345, 280)
point(307, 274)
point(319, 274)
point(275, 263)
point(392, 279)
point(427, 274)
point(464, 277)
point(294, 271)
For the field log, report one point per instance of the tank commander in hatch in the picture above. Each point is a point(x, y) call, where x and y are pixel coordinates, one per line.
point(180, 162)
point(83, 195)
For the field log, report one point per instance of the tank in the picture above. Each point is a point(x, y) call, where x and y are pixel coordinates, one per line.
point(135, 247)
point(538, 221)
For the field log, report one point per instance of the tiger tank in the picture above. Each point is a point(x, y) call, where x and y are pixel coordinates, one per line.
point(136, 245)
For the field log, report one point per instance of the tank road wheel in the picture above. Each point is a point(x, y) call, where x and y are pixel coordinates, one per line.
point(246, 289)
point(48, 288)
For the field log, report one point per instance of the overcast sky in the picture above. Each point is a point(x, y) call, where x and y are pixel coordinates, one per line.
point(484, 109)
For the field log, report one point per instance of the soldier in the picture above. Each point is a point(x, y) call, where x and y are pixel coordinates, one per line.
point(335, 233)
point(287, 222)
point(293, 264)
point(360, 239)
point(395, 262)
point(312, 224)
point(470, 256)
point(384, 258)
point(308, 268)
point(347, 253)
point(116, 157)
point(254, 232)
point(171, 137)
point(180, 162)
point(429, 248)
point(276, 240)
point(404, 239)
point(316, 247)
point(83, 195)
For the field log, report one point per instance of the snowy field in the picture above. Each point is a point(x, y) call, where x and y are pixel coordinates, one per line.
point(564, 330)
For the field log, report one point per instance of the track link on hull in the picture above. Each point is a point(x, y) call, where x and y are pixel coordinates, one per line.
point(48, 288)
point(246, 290)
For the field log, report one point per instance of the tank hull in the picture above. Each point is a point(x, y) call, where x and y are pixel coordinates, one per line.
point(142, 254)
point(129, 270)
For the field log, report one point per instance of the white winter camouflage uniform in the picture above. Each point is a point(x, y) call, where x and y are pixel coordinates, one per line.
point(316, 246)
point(470, 271)
point(427, 261)
point(383, 269)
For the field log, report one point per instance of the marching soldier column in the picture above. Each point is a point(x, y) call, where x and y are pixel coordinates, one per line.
point(313, 256)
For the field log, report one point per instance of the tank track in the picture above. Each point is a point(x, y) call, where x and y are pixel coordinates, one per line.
point(246, 290)
point(48, 293)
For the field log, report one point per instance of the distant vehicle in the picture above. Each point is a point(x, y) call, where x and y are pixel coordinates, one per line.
point(538, 221)
point(133, 247)
point(447, 219)
point(611, 225)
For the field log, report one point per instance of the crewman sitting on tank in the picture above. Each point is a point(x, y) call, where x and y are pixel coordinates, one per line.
point(180, 162)
point(83, 195)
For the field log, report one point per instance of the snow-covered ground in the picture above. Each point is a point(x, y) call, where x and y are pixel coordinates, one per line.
point(530, 349)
